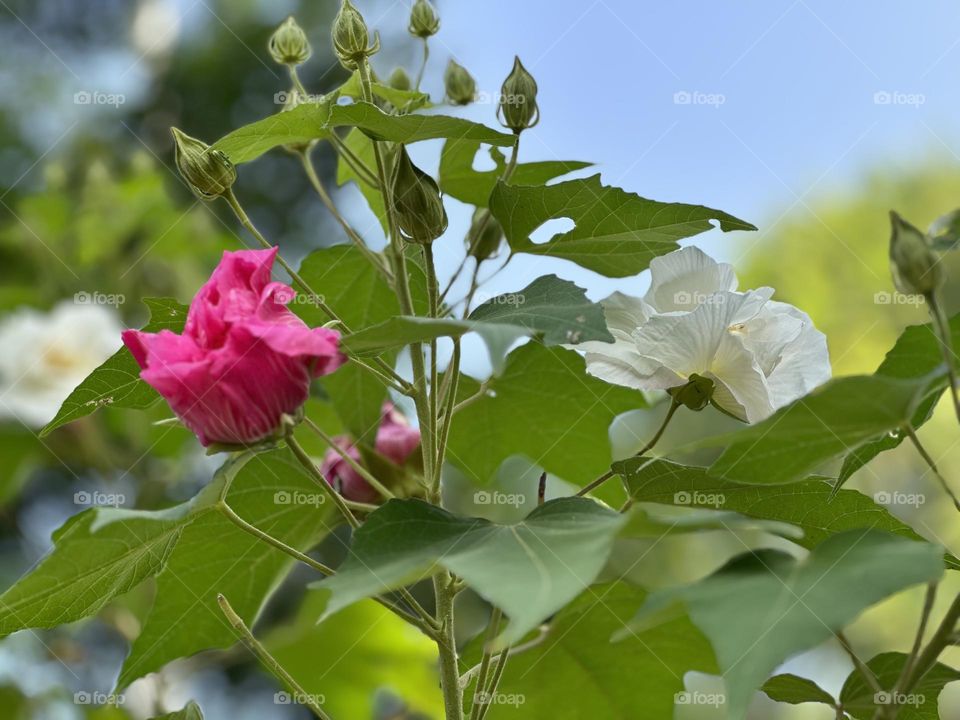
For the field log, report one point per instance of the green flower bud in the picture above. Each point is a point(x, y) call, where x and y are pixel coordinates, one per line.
point(424, 20)
point(483, 240)
point(399, 80)
point(460, 85)
point(417, 204)
point(350, 37)
point(696, 394)
point(518, 99)
point(208, 172)
point(288, 44)
point(915, 266)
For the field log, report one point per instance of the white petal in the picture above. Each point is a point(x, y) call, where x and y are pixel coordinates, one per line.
point(804, 363)
point(738, 372)
point(681, 280)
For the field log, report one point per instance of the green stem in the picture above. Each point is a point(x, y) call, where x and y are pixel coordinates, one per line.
point(912, 434)
point(361, 471)
point(268, 660)
point(423, 65)
point(942, 637)
point(448, 397)
point(943, 333)
point(315, 473)
point(928, 601)
point(494, 683)
point(449, 670)
point(674, 405)
point(493, 627)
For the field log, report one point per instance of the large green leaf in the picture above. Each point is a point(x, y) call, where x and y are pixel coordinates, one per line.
point(833, 420)
point(543, 406)
point(313, 121)
point(530, 569)
point(117, 382)
point(766, 606)
point(861, 701)
point(270, 491)
point(98, 554)
point(636, 678)
point(458, 178)
point(354, 289)
point(616, 233)
point(805, 504)
point(347, 658)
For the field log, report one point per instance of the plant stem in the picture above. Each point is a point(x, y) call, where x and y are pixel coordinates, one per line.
point(315, 473)
point(447, 646)
point(493, 627)
point(942, 637)
point(864, 671)
point(928, 600)
point(494, 683)
point(423, 65)
point(930, 463)
point(942, 331)
point(268, 660)
point(674, 405)
point(354, 236)
point(382, 369)
point(361, 471)
point(448, 396)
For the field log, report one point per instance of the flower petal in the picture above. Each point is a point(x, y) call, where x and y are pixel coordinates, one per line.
point(683, 279)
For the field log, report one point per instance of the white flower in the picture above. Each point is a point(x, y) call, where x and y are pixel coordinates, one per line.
point(760, 353)
point(46, 355)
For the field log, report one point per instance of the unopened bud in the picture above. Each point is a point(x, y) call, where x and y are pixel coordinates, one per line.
point(424, 20)
point(696, 394)
point(483, 240)
point(289, 44)
point(416, 202)
point(399, 80)
point(208, 172)
point(518, 99)
point(351, 41)
point(915, 266)
point(460, 86)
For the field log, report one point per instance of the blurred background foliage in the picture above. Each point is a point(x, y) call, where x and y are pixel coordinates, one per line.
point(99, 209)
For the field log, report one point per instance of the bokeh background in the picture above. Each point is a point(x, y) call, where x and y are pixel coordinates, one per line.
point(809, 118)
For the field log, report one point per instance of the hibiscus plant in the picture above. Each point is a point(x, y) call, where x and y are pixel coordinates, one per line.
point(337, 403)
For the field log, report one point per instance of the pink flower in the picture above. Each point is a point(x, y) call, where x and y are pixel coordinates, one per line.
point(243, 360)
point(396, 441)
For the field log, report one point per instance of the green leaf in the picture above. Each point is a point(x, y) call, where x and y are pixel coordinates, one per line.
point(944, 232)
point(577, 666)
point(616, 233)
point(354, 290)
point(98, 554)
point(860, 700)
point(655, 521)
point(543, 406)
point(315, 121)
point(803, 504)
point(556, 309)
point(117, 382)
point(190, 712)
point(766, 606)
point(458, 179)
point(834, 419)
point(272, 492)
point(404, 100)
point(347, 658)
point(796, 690)
point(362, 148)
point(529, 570)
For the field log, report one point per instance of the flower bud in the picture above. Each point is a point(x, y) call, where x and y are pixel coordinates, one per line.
point(208, 172)
point(696, 394)
point(460, 85)
point(483, 240)
point(399, 80)
point(915, 266)
point(416, 201)
point(350, 37)
point(518, 99)
point(289, 44)
point(424, 20)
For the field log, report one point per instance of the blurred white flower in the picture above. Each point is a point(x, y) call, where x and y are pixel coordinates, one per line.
point(761, 354)
point(46, 355)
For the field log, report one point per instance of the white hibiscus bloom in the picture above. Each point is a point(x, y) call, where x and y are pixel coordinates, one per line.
point(760, 354)
point(46, 355)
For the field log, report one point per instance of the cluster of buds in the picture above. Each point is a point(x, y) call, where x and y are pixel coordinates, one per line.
point(208, 172)
point(915, 266)
point(289, 45)
point(351, 40)
point(518, 99)
point(459, 84)
point(417, 204)
point(424, 20)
